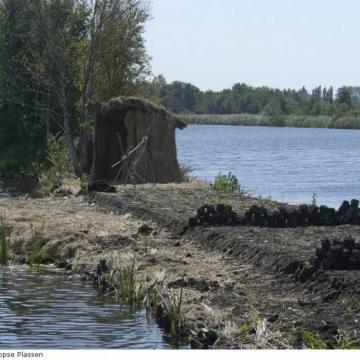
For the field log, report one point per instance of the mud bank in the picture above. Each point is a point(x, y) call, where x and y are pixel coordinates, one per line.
point(248, 285)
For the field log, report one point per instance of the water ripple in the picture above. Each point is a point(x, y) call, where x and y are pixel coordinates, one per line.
point(38, 310)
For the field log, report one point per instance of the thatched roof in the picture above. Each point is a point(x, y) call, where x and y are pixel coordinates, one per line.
point(126, 103)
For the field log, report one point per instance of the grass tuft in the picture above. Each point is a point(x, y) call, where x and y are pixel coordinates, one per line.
point(165, 305)
point(128, 288)
point(4, 244)
point(170, 304)
point(34, 256)
point(312, 341)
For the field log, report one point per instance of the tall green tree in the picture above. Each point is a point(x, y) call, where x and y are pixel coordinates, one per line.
point(59, 29)
point(56, 56)
point(22, 128)
point(343, 96)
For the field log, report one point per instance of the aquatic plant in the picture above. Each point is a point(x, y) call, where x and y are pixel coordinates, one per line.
point(36, 246)
point(129, 289)
point(167, 306)
point(4, 244)
point(171, 311)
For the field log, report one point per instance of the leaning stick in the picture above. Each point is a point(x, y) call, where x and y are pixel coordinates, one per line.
point(143, 141)
point(122, 152)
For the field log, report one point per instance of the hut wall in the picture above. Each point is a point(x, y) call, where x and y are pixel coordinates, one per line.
point(162, 147)
point(154, 162)
point(107, 149)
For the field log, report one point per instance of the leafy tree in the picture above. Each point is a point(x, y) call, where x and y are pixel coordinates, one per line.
point(59, 28)
point(316, 93)
point(56, 56)
point(343, 96)
point(22, 130)
point(330, 95)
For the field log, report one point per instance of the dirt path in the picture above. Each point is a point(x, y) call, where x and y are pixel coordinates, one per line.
point(245, 303)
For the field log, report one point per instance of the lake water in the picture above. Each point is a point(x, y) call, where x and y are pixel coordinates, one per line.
point(288, 164)
point(53, 310)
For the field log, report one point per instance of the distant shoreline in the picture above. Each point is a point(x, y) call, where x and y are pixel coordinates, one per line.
point(299, 121)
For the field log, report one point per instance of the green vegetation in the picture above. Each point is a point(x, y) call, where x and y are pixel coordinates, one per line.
point(262, 105)
point(4, 244)
point(55, 58)
point(129, 289)
point(59, 166)
point(313, 341)
point(171, 304)
point(133, 291)
point(352, 303)
point(343, 341)
point(34, 257)
point(84, 181)
point(304, 121)
point(228, 183)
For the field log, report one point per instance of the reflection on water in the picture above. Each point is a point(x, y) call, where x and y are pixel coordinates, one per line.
point(47, 310)
point(288, 164)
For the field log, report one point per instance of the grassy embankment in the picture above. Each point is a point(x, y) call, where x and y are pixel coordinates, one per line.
point(306, 121)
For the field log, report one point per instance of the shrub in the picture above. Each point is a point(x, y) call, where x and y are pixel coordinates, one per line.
point(227, 183)
point(8, 164)
point(84, 181)
point(34, 257)
point(59, 166)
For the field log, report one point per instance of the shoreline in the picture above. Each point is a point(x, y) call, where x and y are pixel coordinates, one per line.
point(240, 283)
point(280, 121)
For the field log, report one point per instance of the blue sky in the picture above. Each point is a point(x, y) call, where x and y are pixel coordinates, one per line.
point(276, 43)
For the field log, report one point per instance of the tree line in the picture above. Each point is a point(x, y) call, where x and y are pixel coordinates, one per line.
point(181, 97)
point(56, 56)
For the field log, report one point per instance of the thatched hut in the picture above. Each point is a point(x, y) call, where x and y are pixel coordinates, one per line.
point(135, 142)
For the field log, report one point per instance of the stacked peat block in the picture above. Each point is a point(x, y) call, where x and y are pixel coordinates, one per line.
point(283, 217)
point(349, 213)
point(215, 216)
point(304, 215)
point(338, 255)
